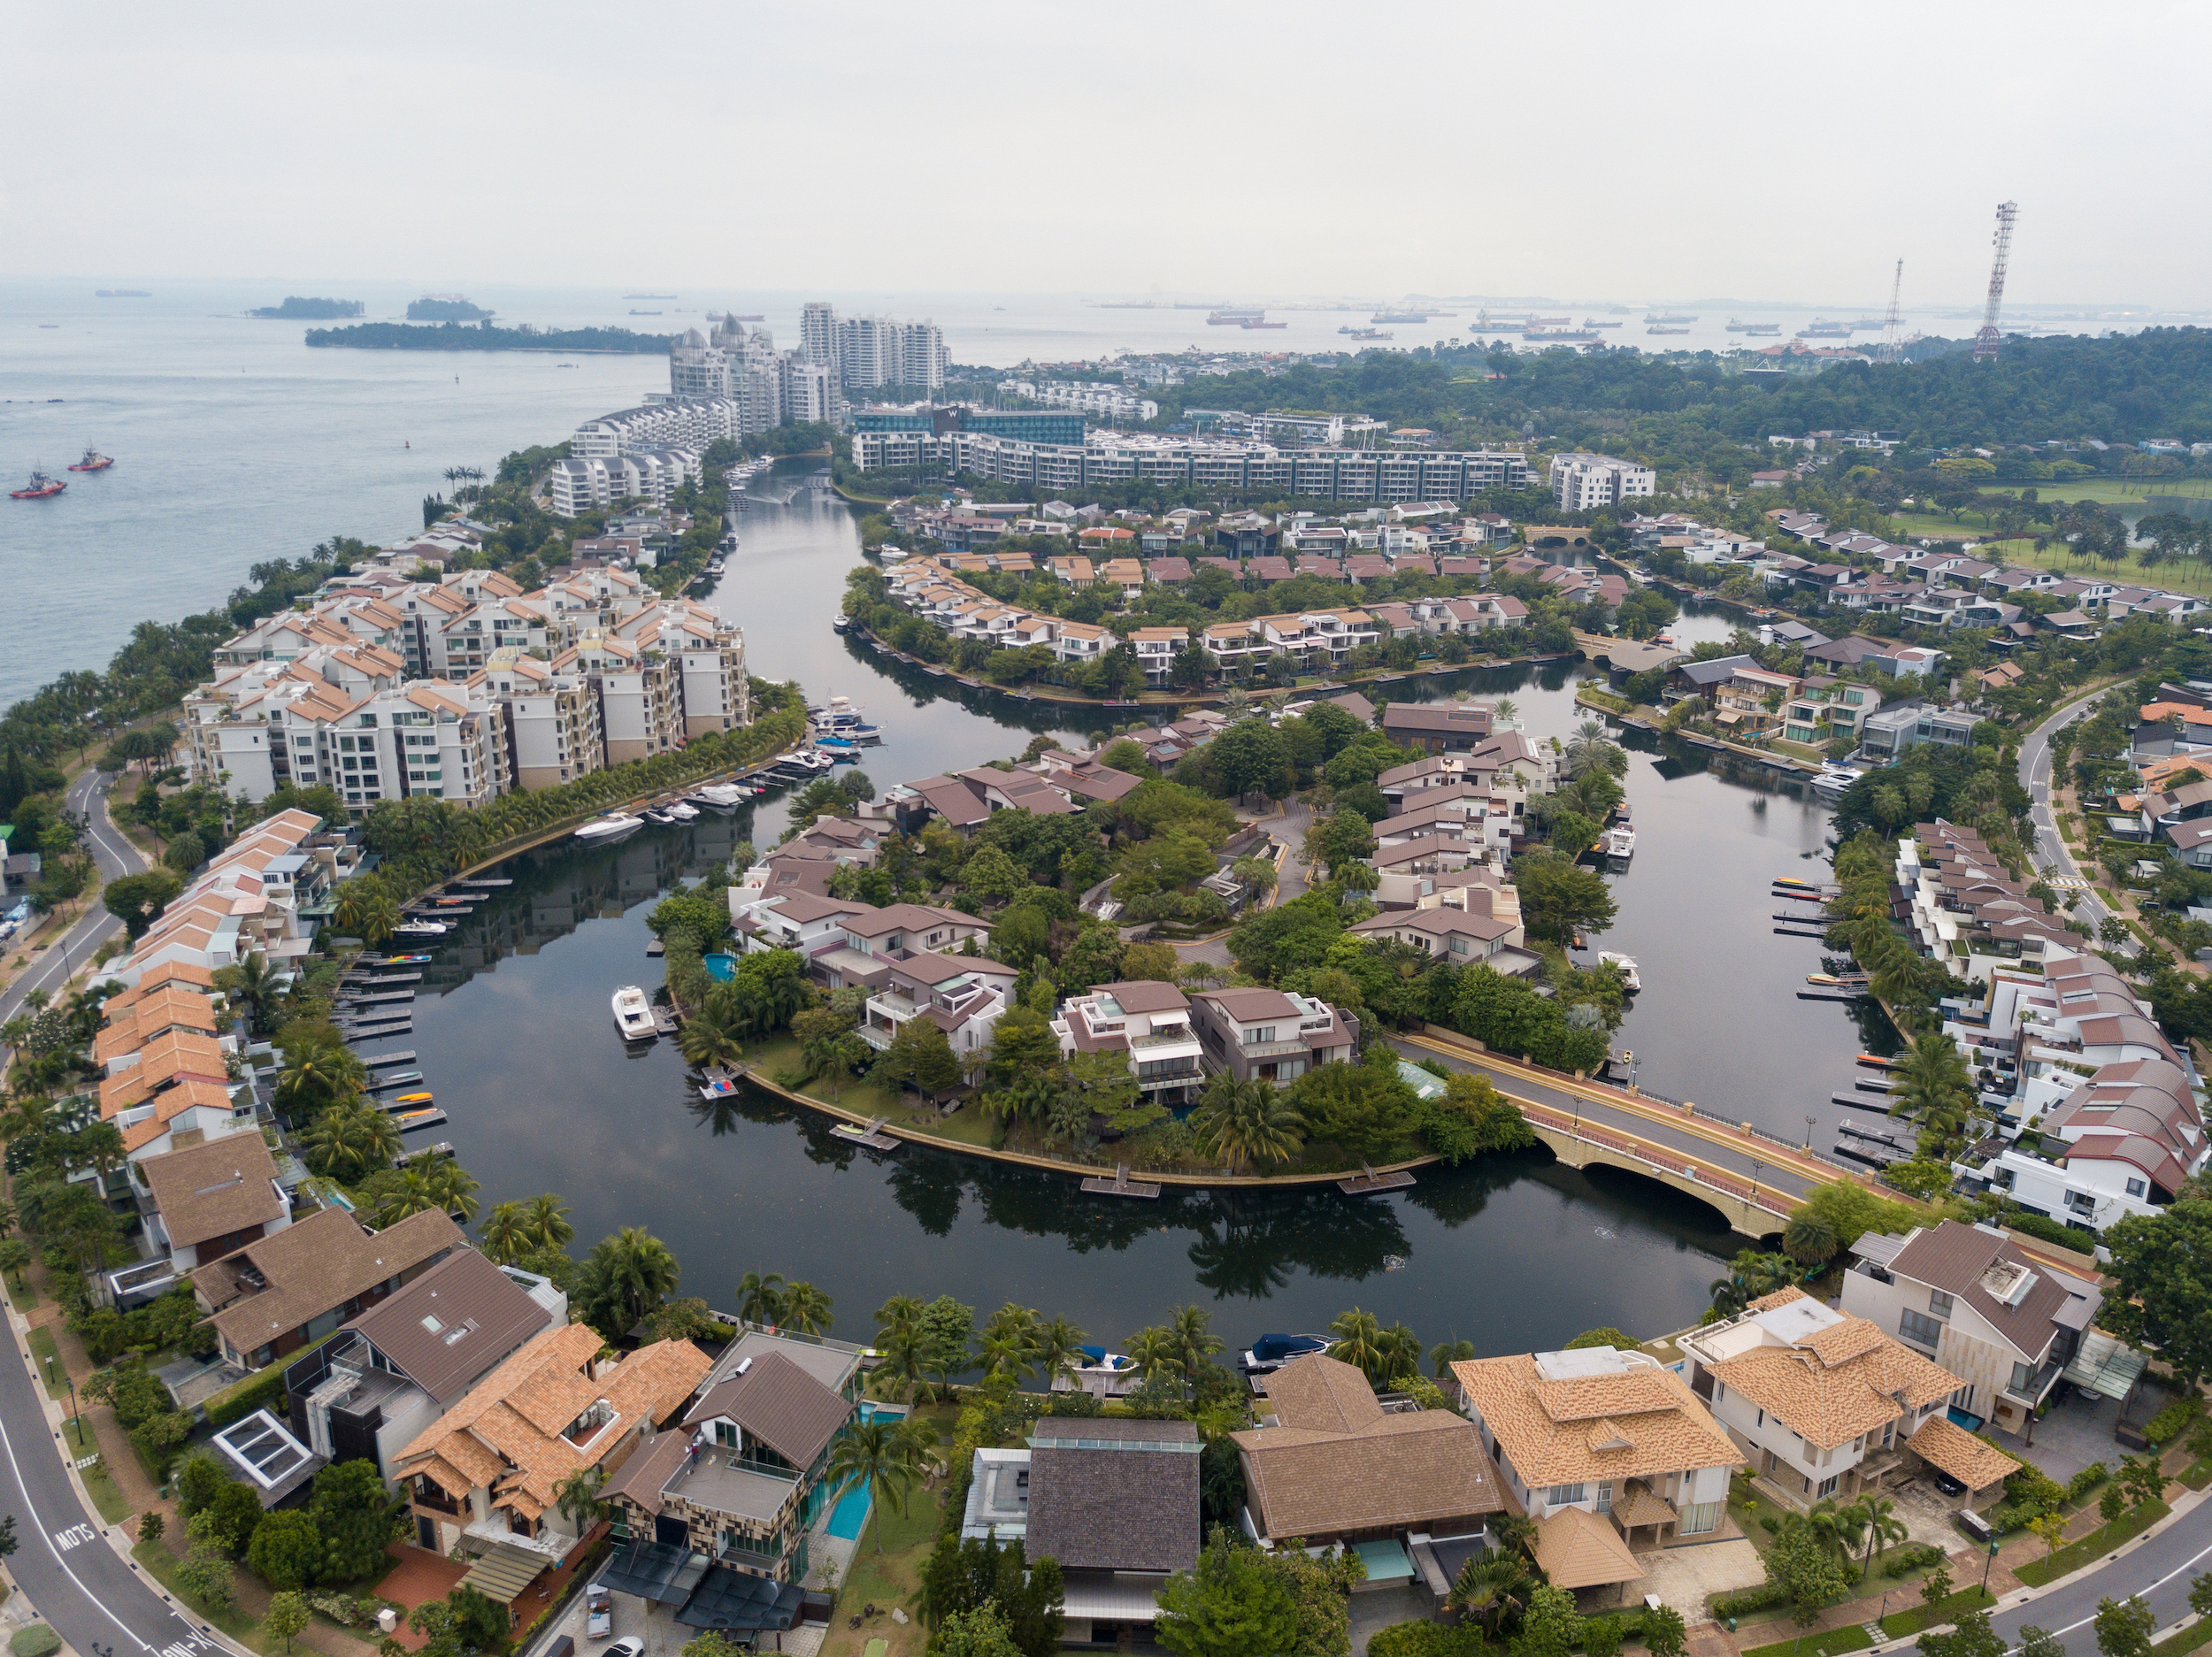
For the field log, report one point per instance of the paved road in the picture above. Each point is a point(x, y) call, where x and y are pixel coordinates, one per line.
point(115, 855)
point(2159, 1567)
point(2049, 853)
point(1778, 1169)
point(64, 1560)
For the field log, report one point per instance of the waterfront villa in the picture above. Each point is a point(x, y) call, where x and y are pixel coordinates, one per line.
point(1329, 1461)
point(1267, 1035)
point(1115, 1503)
point(1436, 727)
point(487, 1473)
point(743, 1482)
point(207, 1200)
point(276, 1294)
point(1602, 1449)
point(1149, 1022)
point(1821, 1402)
point(2008, 1326)
point(387, 1376)
point(247, 900)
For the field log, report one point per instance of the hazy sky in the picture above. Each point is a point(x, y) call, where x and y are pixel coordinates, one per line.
point(1633, 152)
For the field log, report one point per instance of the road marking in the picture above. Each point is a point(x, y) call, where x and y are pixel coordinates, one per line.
point(7, 1442)
point(71, 1537)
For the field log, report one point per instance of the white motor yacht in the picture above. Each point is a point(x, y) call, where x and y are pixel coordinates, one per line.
point(1619, 841)
point(1626, 965)
point(683, 810)
point(721, 796)
point(1833, 780)
point(612, 826)
point(633, 1014)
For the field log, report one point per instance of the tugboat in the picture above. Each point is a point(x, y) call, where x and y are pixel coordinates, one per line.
point(94, 461)
point(39, 487)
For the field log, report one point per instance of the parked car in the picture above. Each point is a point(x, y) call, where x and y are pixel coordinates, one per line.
point(598, 1612)
point(630, 1646)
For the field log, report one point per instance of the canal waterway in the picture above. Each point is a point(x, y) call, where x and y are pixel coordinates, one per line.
point(515, 1039)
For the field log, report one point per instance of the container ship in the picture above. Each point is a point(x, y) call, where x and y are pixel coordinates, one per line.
point(38, 488)
point(1656, 328)
point(1400, 315)
point(94, 461)
point(1367, 333)
point(1735, 326)
point(1262, 322)
point(1592, 322)
point(1670, 316)
point(1821, 328)
point(1231, 317)
point(1551, 322)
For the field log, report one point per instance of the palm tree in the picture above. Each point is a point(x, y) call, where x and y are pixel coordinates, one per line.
point(454, 1188)
point(1931, 1076)
point(1809, 1237)
point(905, 1358)
point(1155, 1352)
point(548, 1218)
point(251, 986)
point(640, 1269)
point(350, 1139)
point(1009, 1342)
point(414, 1194)
point(380, 918)
point(1728, 1296)
point(1058, 1350)
point(806, 1308)
point(1884, 1528)
point(881, 1455)
point(709, 1037)
point(1447, 1352)
point(1359, 1342)
point(1836, 1529)
point(760, 1300)
point(576, 1496)
point(505, 1233)
point(1247, 1122)
point(1194, 1335)
point(317, 1077)
point(1490, 1587)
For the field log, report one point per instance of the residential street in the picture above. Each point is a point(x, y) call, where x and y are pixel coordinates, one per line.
point(2050, 852)
point(115, 855)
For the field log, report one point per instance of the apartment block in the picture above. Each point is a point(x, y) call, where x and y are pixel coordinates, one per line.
point(554, 733)
point(1582, 482)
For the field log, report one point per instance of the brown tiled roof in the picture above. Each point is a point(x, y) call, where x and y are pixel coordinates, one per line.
point(1376, 1470)
point(1952, 1257)
point(1837, 1384)
point(481, 1313)
point(1143, 995)
point(212, 1190)
point(1639, 1425)
point(322, 1262)
point(1114, 1509)
point(782, 1405)
point(1975, 1463)
point(646, 1474)
point(1576, 1549)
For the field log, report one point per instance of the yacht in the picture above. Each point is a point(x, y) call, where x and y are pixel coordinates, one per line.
point(721, 796)
point(612, 826)
point(1626, 965)
point(681, 810)
point(419, 929)
point(1833, 780)
point(836, 716)
point(1619, 841)
point(1271, 1352)
point(633, 1014)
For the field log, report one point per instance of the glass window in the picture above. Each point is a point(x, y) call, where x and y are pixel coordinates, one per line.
point(1699, 1518)
point(1605, 1497)
point(1564, 1495)
point(1919, 1329)
point(1939, 1304)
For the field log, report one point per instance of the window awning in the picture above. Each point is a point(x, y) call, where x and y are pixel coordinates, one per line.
point(2105, 1366)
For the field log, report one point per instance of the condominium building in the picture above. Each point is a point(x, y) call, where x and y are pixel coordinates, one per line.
point(1107, 402)
point(554, 733)
point(638, 695)
point(1582, 482)
point(1113, 457)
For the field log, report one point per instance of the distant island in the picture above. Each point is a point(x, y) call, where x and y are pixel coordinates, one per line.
point(446, 308)
point(121, 293)
point(451, 336)
point(313, 310)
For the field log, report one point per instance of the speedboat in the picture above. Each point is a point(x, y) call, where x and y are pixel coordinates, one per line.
point(836, 744)
point(1823, 980)
point(419, 929)
point(1103, 1374)
point(400, 961)
point(415, 1099)
point(1619, 842)
point(864, 733)
point(633, 1014)
point(722, 796)
point(680, 811)
point(1271, 1352)
point(1626, 965)
point(843, 754)
point(660, 817)
point(612, 826)
point(1833, 780)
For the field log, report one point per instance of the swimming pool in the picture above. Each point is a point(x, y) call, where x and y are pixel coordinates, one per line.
point(850, 1514)
point(870, 1410)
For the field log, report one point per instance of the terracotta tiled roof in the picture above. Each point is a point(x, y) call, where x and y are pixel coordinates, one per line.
point(1837, 1384)
point(1639, 1425)
point(1975, 1463)
point(1576, 1549)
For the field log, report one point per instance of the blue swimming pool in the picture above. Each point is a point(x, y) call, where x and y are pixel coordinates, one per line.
point(850, 1514)
point(871, 1410)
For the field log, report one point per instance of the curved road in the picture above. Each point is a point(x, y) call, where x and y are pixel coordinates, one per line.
point(115, 855)
point(65, 1561)
point(2049, 851)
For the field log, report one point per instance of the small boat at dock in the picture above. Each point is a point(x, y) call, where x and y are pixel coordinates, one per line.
point(613, 826)
point(1626, 965)
point(419, 929)
point(1271, 1352)
point(634, 1014)
point(1826, 980)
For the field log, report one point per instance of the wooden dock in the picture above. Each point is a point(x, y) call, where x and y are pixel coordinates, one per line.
point(400, 1078)
point(665, 1022)
point(356, 998)
point(484, 881)
point(380, 978)
point(384, 1061)
point(868, 1136)
point(420, 1117)
point(1367, 1182)
point(654, 947)
point(376, 1032)
point(1120, 1184)
point(444, 1148)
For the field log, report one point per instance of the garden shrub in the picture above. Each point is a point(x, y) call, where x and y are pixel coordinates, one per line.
point(33, 1639)
point(1758, 1597)
point(1427, 1639)
point(2171, 1421)
point(2086, 1480)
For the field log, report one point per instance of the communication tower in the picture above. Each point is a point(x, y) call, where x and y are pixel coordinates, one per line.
point(1892, 347)
point(1986, 342)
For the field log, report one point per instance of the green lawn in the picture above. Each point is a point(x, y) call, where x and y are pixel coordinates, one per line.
point(2103, 1540)
point(43, 1348)
point(885, 1579)
point(2187, 1640)
point(1945, 1610)
point(106, 1496)
point(161, 1564)
point(21, 1295)
point(1854, 1637)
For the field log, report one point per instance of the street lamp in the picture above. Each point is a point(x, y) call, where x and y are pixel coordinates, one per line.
point(1809, 1131)
point(1987, 1562)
